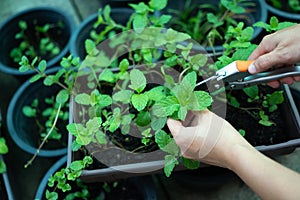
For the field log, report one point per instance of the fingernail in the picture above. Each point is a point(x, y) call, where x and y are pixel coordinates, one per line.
point(252, 69)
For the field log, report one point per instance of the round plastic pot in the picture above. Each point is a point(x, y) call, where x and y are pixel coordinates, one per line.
point(259, 14)
point(23, 130)
point(282, 13)
point(41, 16)
point(77, 47)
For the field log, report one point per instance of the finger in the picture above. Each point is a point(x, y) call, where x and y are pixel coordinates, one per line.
point(297, 78)
point(174, 126)
point(274, 84)
point(265, 62)
point(264, 47)
point(287, 80)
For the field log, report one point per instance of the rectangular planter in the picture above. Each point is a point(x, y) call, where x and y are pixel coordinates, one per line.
point(148, 166)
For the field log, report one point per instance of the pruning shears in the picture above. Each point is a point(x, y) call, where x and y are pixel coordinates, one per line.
point(236, 75)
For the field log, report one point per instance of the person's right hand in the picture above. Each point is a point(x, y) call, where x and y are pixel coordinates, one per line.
point(281, 48)
point(207, 138)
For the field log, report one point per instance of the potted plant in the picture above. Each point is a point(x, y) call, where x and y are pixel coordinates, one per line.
point(288, 10)
point(208, 21)
point(42, 32)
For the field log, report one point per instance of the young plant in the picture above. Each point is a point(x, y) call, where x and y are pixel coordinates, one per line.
point(3, 149)
point(207, 23)
point(293, 5)
point(42, 45)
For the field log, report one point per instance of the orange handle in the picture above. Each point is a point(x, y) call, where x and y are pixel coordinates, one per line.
point(242, 65)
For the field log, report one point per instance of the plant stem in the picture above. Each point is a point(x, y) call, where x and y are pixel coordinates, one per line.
point(45, 139)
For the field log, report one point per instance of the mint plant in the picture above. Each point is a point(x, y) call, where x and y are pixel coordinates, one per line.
point(207, 23)
point(293, 5)
point(42, 45)
point(274, 25)
point(3, 149)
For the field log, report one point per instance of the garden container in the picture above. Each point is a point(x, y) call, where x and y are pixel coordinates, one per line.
point(24, 130)
point(284, 12)
point(35, 18)
point(83, 32)
point(151, 163)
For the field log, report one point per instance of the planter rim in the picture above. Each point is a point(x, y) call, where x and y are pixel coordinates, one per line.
point(50, 63)
point(282, 13)
point(11, 129)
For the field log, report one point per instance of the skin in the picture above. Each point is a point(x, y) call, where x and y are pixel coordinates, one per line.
point(267, 178)
point(206, 137)
point(278, 49)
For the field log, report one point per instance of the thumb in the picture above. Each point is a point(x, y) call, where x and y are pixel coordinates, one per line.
point(265, 62)
point(174, 126)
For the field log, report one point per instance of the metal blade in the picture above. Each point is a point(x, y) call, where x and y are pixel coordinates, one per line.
point(206, 80)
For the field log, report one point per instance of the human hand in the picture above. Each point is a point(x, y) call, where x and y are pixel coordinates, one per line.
point(207, 138)
point(281, 48)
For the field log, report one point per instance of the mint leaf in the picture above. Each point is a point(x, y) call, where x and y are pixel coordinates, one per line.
point(166, 143)
point(139, 101)
point(189, 163)
point(165, 107)
point(123, 96)
point(251, 92)
point(203, 100)
point(158, 4)
point(170, 163)
point(138, 80)
point(107, 75)
point(83, 99)
point(62, 97)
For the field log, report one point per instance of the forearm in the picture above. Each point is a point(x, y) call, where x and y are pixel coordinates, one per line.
point(267, 178)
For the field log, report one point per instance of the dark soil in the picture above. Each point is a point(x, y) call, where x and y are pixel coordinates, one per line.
point(256, 133)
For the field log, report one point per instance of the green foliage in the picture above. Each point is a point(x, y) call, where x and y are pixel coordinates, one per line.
point(274, 24)
point(294, 5)
point(46, 48)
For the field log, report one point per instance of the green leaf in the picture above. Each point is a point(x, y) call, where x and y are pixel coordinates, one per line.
point(166, 143)
point(165, 107)
point(252, 91)
point(232, 6)
point(48, 81)
point(170, 163)
point(3, 146)
point(156, 93)
point(158, 123)
point(242, 132)
point(139, 101)
point(138, 80)
point(90, 46)
point(76, 165)
point(143, 118)
point(158, 4)
point(83, 99)
point(104, 100)
point(101, 137)
point(172, 36)
point(35, 78)
point(276, 98)
point(124, 64)
point(123, 96)
point(139, 22)
point(107, 75)
point(62, 97)
point(204, 100)
point(2, 167)
point(42, 66)
point(189, 163)
point(51, 195)
point(29, 111)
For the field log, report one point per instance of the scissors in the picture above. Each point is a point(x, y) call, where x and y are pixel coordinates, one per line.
point(236, 75)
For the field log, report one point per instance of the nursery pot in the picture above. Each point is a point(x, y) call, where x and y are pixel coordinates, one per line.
point(35, 16)
point(77, 47)
point(119, 3)
point(24, 130)
point(258, 12)
point(136, 187)
point(285, 12)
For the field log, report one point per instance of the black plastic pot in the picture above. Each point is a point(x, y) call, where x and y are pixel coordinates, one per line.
point(287, 15)
point(23, 130)
point(259, 14)
point(77, 47)
point(41, 16)
point(141, 187)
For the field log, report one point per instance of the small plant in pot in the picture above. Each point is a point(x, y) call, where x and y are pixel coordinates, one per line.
point(207, 22)
point(38, 32)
